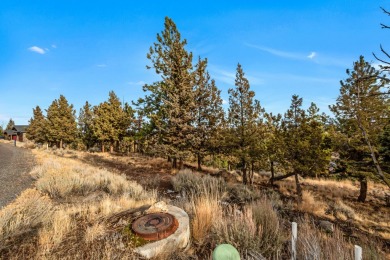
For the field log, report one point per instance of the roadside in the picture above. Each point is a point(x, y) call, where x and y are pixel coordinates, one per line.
point(15, 165)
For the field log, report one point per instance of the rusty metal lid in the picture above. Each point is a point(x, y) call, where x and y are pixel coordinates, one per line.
point(155, 226)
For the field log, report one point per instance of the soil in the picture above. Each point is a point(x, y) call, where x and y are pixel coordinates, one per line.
point(15, 165)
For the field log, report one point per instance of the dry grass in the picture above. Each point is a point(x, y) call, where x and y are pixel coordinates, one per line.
point(311, 204)
point(206, 212)
point(64, 177)
point(75, 229)
point(314, 244)
point(27, 212)
point(254, 231)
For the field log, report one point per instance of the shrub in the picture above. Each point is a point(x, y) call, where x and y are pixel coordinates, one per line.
point(254, 231)
point(187, 182)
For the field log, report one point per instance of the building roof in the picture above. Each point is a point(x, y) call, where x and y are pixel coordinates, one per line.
point(9, 132)
point(20, 128)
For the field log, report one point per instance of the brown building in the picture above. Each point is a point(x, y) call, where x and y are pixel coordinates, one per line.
point(18, 133)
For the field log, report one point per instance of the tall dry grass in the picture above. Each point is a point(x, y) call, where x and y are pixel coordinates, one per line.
point(64, 177)
point(254, 231)
point(26, 213)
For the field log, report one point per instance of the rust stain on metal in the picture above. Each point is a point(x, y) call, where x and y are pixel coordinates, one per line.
point(155, 226)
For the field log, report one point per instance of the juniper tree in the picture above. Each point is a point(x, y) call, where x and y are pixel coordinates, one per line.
point(384, 150)
point(274, 146)
point(243, 115)
point(61, 122)
point(362, 111)
point(37, 130)
point(110, 121)
point(170, 101)
point(208, 112)
point(85, 121)
point(10, 124)
point(303, 136)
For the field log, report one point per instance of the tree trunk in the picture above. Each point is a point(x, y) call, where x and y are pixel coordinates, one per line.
point(102, 147)
point(111, 147)
point(244, 177)
point(61, 144)
point(363, 189)
point(272, 173)
point(169, 159)
point(174, 163)
point(299, 189)
point(199, 162)
point(181, 163)
point(252, 173)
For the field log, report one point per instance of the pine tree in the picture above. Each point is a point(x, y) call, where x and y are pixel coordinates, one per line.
point(110, 122)
point(10, 124)
point(208, 112)
point(37, 130)
point(384, 150)
point(85, 121)
point(362, 112)
point(273, 140)
point(243, 115)
point(61, 122)
point(170, 102)
point(302, 133)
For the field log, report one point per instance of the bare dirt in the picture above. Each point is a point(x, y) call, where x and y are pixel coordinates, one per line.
point(15, 165)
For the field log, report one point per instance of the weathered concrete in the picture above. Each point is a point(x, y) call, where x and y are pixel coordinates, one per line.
point(177, 240)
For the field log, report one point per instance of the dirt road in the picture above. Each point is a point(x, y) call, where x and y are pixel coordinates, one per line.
point(15, 165)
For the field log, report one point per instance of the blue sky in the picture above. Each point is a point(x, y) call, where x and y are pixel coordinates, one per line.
point(84, 49)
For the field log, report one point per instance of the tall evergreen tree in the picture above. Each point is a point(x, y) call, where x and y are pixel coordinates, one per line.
point(110, 121)
point(37, 129)
point(170, 102)
point(362, 112)
point(10, 124)
point(208, 112)
point(274, 145)
point(243, 115)
point(384, 150)
point(61, 119)
point(302, 133)
point(85, 121)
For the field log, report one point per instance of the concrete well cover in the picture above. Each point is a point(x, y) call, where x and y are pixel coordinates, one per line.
point(178, 240)
point(155, 226)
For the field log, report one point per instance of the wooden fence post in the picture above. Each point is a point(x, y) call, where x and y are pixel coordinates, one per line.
point(358, 253)
point(294, 240)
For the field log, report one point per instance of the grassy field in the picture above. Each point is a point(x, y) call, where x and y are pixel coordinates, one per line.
point(82, 203)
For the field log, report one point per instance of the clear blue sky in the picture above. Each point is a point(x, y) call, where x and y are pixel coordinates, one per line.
point(84, 49)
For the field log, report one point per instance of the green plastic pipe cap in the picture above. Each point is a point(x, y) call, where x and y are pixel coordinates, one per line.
point(226, 252)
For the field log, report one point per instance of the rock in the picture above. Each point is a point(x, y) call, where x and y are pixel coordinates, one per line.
point(327, 226)
point(160, 206)
point(176, 241)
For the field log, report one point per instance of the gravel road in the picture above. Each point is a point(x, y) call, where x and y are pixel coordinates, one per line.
point(15, 165)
